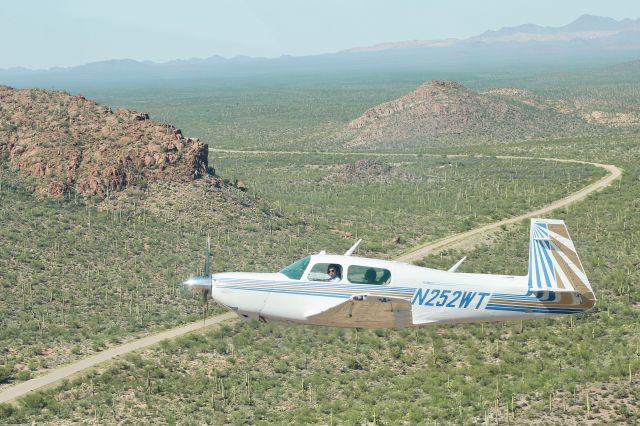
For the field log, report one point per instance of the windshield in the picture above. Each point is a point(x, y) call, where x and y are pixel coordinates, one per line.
point(296, 269)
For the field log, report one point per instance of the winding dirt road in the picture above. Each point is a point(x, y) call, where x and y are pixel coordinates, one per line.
point(57, 375)
point(418, 253)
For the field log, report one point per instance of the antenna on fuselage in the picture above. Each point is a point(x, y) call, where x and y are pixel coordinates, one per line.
point(353, 248)
point(455, 267)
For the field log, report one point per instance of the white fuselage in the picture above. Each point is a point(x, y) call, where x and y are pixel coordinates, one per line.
point(435, 296)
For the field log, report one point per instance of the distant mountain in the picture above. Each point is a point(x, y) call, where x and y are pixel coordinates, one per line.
point(405, 44)
point(443, 112)
point(626, 69)
point(589, 40)
point(599, 23)
point(586, 27)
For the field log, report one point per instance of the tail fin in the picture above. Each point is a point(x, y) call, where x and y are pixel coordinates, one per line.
point(554, 265)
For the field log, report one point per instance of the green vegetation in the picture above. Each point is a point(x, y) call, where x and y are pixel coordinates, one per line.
point(295, 113)
point(420, 198)
point(302, 112)
point(76, 279)
point(79, 276)
point(550, 371)
point(544, 369)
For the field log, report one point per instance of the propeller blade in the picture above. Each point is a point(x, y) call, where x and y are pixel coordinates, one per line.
point(207, 259)
point(205, 304)
point(204, 283)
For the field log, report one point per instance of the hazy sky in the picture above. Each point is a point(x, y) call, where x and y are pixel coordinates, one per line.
point(43, 34)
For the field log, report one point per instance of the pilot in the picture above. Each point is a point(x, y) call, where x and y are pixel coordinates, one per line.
point(370, 276)
point(333, 271)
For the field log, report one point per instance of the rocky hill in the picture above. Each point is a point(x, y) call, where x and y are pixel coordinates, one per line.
point(440, 112)
point(370, 170)
point(71, 144)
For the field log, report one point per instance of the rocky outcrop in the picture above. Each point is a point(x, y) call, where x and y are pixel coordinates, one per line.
point(440, 112)
point(69, 143)
point(430, 97)
point(367, 167)
point(371, 170)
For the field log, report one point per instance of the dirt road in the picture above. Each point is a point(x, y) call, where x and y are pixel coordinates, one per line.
point(58, 374)
point(454, 240)
point(65, 372)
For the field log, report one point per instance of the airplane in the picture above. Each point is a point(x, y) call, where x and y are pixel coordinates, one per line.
point(358, 292)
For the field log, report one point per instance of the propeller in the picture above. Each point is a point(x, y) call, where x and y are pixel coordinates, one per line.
point(202, 283)
point(207, 291)
point(207, 258)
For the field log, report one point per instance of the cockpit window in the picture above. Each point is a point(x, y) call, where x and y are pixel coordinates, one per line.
point(326, 272)
point(368, 275)
point(296, 269)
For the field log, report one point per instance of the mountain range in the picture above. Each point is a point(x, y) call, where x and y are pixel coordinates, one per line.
point(588, 40)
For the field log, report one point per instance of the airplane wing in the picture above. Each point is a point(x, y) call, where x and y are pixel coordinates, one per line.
point(367, 311)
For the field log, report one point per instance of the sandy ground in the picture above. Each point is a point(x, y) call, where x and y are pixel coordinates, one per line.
point(464, 239)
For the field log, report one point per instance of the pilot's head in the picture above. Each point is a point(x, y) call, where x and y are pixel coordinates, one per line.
point(332, 270)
